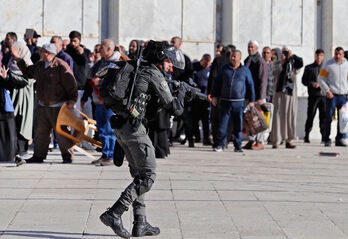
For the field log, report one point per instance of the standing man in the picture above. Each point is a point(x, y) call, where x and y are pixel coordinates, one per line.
point(259, 72)
point(218, 49)
point(184, 75)
point(333, 80)
point(102, 114)
point(33, 47)
point(215, 68)
point(55, 84)
point(11, 37)
point(58, 41)
point(80, 54)
point(315, 99)
point(201, 108)
point(267, 56)
point(231, 85)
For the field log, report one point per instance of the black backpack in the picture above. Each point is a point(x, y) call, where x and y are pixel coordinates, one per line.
point(116, 85)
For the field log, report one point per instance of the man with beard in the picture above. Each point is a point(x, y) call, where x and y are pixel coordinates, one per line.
point(32, 45)
point(259, 71)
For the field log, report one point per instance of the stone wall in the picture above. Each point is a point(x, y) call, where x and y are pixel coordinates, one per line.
point(192, 20)
point(51, 17)
point(272, 23)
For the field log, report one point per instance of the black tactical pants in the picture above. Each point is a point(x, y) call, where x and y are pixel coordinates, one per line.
point(140, 155)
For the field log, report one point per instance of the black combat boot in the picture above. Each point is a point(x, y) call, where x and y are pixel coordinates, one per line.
point(306, 138)
point(34, 159)
point(112, 218)
point(142, 228)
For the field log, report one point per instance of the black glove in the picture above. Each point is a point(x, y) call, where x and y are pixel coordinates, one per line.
point(118, 154)
point(117, 121)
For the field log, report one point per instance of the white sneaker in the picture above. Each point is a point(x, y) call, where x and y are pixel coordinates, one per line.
point(218, 149)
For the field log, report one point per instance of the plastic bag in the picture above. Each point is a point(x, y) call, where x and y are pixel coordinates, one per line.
point(343, 119)
point(254, 120)
point(267, 112)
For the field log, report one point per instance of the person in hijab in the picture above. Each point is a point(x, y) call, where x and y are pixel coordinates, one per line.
point(23, 100)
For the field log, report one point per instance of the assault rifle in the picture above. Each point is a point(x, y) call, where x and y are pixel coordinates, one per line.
point(192, 92)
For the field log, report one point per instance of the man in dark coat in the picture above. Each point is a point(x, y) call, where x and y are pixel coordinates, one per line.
point(55, 84)
point(315, 99)
point(217, 64)
point(201, 108)
point(184, 75)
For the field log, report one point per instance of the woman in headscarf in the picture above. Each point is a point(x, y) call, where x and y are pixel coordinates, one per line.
point(23, 100)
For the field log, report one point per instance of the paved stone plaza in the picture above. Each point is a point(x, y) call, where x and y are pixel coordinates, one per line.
point(270, 194)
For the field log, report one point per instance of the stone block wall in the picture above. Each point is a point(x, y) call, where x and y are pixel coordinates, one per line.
point(51, 17)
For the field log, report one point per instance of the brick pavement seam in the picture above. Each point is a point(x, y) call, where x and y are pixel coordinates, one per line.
point(269, 213)
point(226, 210)
point(92, 203)
point(332, 221)
point(176, 208)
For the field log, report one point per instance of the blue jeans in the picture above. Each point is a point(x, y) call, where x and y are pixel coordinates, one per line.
point(234, 110)
point(336, 102)
point(106, 134)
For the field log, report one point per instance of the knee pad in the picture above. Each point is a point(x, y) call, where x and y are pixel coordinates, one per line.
point(143, 185)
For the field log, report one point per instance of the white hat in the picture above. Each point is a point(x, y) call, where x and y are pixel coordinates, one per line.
point(254, 42)
point(51, 48)
point(286, 48)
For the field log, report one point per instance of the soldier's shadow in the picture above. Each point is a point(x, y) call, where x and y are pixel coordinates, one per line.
point(50, 234)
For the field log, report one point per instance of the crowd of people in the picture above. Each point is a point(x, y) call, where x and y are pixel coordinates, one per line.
point(36, 81)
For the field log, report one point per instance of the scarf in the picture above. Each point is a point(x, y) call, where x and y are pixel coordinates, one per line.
point(24, 53)
point(253, 58)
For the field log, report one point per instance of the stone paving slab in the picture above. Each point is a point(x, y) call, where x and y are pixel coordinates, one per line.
point(269, 194)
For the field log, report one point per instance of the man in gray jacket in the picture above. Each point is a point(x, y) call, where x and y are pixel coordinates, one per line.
point(333, 80)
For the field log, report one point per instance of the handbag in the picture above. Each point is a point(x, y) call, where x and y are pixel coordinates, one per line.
point(254, 120)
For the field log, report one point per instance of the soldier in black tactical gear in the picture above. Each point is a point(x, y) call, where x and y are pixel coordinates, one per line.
point(132, 136)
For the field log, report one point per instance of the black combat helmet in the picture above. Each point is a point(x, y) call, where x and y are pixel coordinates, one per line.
point(156, 51)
